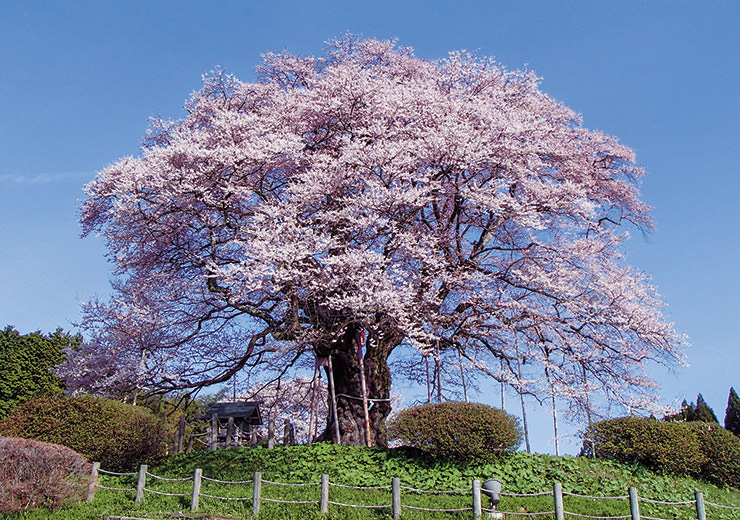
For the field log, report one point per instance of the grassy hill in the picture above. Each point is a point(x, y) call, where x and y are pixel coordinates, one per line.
point(520, 473)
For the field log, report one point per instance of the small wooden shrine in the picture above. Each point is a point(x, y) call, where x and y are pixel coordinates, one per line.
point(233, 423)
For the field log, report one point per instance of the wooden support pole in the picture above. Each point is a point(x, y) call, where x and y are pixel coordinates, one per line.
point(196, 489)
point(477, 509)
point(141, 484)
point(359, 339)
point(312, 420)
point(214, 432)
point(242, 437)
point(271, 431)
point(324, 494)
point(229, 432)
point(438, 362)
point(288, 433)
point(701, 513)
point(396, 497)
point(462, 376)
point(181, 435)
point(93, 485)
point(256, 491)
point(634, 504)
point(337, 437)
point(429, 380)
point(557, 491)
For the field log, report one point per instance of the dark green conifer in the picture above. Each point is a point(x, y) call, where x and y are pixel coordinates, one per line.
point(732, 415)
point(703, 412)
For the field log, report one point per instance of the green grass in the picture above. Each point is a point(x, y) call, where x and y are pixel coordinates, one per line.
point(519, 473)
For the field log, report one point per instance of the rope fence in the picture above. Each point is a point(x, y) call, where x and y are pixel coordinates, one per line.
point(475, 493)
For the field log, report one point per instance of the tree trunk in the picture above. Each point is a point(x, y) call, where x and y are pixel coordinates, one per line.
point(348, 390)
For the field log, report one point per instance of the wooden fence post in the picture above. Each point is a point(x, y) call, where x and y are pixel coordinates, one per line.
point(477, 510)
point(396, 494)
point(256, 491)
point(557, 491)
point(141, 484)
point(324, 494)
point(701, 513)
point(93, 485)
point(196, 489)
point(634, 504)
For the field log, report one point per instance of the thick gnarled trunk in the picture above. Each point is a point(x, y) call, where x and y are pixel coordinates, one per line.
point(348, 387)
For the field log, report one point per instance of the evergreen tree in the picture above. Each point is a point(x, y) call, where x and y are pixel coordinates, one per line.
point(732, 415)
point(25, 361)
point(703, 412)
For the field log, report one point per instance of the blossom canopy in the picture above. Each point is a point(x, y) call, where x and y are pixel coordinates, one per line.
point(369, 197)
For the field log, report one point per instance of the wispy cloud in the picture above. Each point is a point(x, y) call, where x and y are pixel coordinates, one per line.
point(45, 178)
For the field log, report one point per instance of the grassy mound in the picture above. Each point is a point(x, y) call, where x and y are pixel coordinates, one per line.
point(520, 473)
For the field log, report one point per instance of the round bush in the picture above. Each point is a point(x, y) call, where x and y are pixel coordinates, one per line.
point(117, 435)
point(36, 473)
point(695, 448)
point(721, 450)
point(464, 431)
point(663, 446)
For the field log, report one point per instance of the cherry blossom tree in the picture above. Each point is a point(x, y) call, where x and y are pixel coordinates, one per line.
point(347, 204)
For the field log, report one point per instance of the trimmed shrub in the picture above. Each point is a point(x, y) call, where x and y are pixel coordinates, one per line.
point(36, 473)
point(117, 435)
point(662, 446)
point(696, 448)
point(463, 431)
point(721, 450)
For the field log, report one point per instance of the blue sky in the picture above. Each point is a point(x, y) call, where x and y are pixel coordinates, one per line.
point(78, 81)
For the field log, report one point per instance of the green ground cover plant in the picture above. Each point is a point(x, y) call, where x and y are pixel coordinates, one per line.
point(519, 472)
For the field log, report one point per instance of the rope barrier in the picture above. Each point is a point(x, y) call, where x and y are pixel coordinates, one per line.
point(169, 479)
point(597, 517)
point(660, 502)
point(358, 505)
point(721, 506)
point(292, 485)
point(542, 494)
point(226, 498)
point(432, 492)
point(385, 488)
point(651, 518)
point(289, 501)
point(358, 487)
point(117, 474)
point(437, 510)
point(520, 513)
point(621, 497)
point(164, 494)
point(237, 482)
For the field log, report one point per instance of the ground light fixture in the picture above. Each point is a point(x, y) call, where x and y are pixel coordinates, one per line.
point(491, 488)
